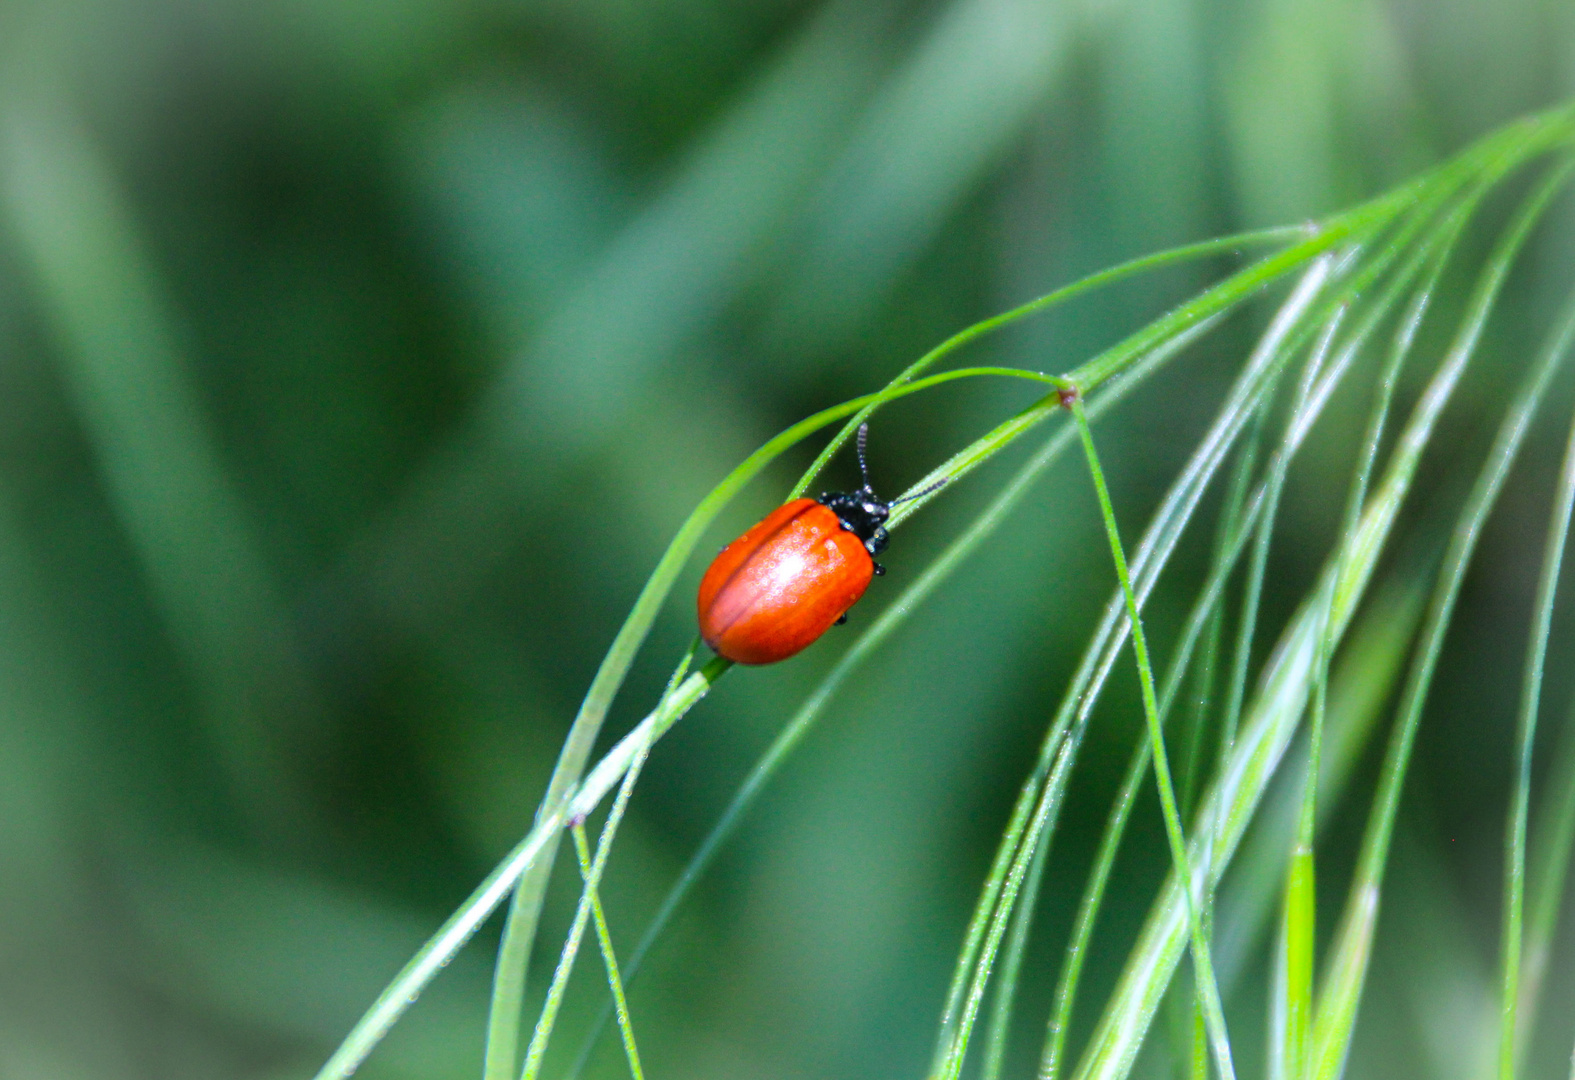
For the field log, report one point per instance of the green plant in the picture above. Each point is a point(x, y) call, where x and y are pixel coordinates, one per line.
point(1360, 274)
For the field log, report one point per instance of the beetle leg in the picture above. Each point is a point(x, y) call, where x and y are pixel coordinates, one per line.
point(841, 619)
point(880, 571)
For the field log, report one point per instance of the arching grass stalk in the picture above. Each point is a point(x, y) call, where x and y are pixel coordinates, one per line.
point(1203, 701)
point(863, 647)
point(1526, 736)
point(1284, 337)
point(1347, 966)
point(1058, 750)
point(1371, 271)
point(1274, 487)
point(1291, 1012)
point(1208, 988)
point(1291, 1000)
point(1194, 1025)
point(431, 958)
point(1286, 334)
point(1290, 1007)
point(1234, 537)
point(1274, 717)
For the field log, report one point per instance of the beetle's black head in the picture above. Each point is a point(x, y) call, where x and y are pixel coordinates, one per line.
point(861, 512)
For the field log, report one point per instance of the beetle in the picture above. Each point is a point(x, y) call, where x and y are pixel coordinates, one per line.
point(795, 574)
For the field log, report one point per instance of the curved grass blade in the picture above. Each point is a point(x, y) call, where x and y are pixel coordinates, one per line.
point(537, 1050)
point(1208, 987)
point(430, 959)
point(1205, 611)
point(1347, 968)
point(1063, 739)
point(1059, 748)
point(1279, 705)
point(1229, 556)
point(970, 334)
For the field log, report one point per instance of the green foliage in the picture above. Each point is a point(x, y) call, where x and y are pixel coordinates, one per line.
point(360, 365)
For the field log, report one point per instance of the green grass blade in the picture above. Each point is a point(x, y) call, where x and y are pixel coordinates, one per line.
point(609, 959)
point(1291, 1006)
point(536, 1052)
point(1203, 614)
point(999, 1025)
point(1228, 557)
point(968, 335)
point(1296, 964)
point(431, 958)
point(1526, 735)
point(1336, 1012)
point(1208, 988)
point(1059, 747)
point(1260, 745)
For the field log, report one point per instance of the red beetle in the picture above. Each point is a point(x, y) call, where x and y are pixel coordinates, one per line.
point(789, 579)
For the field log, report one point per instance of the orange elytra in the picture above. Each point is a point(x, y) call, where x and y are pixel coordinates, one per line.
point(794, 575)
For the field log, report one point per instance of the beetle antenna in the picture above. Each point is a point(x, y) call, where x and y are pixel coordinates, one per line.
point(864, 434)
point(921, 494)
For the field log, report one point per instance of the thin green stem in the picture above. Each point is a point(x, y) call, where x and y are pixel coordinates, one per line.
point(604, 939)
point(1292, 996)
point(467, 919)
point(537, 1050)
point(1208, 989)
point(1059, 749)
point(999, 1025)
point(1110, 842)
point(1526, 735)
point(1034, 836)
point(1336, 1013)
point(1208, 603)
point(1292, 1009)
point(1186, 253)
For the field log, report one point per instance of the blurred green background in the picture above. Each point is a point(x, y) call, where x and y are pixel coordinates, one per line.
point(357, 360)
